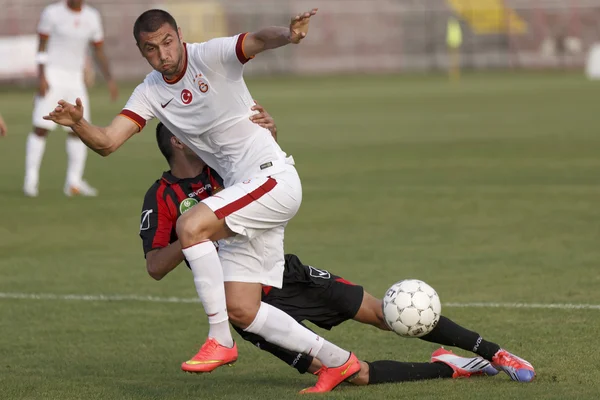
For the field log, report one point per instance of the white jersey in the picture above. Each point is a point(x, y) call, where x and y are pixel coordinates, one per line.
point(208, 108)
point(69, 35)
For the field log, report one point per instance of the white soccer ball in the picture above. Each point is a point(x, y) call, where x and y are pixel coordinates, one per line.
point(411, 308)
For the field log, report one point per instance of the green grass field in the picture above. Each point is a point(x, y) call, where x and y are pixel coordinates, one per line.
point(488, 190)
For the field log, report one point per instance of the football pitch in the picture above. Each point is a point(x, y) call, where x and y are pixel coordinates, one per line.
point(489, 190)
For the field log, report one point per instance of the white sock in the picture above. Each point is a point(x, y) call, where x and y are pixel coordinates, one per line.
point(33, 158)
point(278, 328)
point(208, 278)
point(332, 356)
point(76, 156)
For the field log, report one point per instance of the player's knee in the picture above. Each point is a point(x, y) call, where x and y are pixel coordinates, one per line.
point(184, 228)
point(40, 132)
point(191, 229)
point(241, 314)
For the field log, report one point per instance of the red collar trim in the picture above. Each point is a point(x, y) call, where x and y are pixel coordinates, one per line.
point(178, 78)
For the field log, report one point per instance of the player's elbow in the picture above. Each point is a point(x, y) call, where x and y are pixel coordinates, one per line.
point(104, 152)
point(154, 272)
point(105, 145)
point(157, 276)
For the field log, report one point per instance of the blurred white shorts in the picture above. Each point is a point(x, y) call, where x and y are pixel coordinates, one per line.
point(63, 85)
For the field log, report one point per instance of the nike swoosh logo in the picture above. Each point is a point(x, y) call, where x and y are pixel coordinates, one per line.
point(347, 368)
point(167, 103)
point(191, 362)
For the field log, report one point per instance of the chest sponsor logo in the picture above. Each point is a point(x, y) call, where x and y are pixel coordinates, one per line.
point(186, 96)
point(319, 273)
point(145, 224)
point(186, 204)
point(201, 190)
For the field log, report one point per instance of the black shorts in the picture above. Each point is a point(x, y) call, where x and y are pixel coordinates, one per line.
point(315, 295)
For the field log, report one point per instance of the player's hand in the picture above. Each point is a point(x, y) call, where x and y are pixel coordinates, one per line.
point(67, 114)
point(263, 118)
point(299, 25)
point(43, 86)
point(3, 128)
point(113, 89)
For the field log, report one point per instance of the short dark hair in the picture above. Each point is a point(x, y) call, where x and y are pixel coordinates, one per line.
point(151, 21)
point(163, 139)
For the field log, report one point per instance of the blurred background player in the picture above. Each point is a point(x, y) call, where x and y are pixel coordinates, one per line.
point(308, 293)
point(66, 29)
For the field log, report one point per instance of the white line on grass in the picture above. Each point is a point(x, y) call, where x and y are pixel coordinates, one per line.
point(560, 306)
point(99, 297)
point(155, 299)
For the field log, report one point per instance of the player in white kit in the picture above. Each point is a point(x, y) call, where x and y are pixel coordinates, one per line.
point(198, 91)
point(66, 30)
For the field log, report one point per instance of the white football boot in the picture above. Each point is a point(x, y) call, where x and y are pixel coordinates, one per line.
point(463, 367)
point(83, 189)
point(30, 190)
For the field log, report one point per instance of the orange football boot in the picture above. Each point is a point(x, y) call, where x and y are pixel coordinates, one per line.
point(330, 378)
point(210, 357)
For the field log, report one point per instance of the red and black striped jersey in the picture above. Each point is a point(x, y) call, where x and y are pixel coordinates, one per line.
point(167, 199)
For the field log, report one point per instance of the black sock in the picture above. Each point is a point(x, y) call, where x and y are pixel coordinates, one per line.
point(448, 333)
point(386, 371)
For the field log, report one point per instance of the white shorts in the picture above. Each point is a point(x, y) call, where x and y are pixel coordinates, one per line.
point(62, 86)
point(258, 211)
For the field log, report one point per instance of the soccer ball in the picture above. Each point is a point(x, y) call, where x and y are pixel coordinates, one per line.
point(411, 308)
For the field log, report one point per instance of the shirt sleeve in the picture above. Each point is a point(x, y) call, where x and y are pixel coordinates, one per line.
point(138, 107)
point(225, 55)
point(157, 220)
point(45, 25)
point(97, 32)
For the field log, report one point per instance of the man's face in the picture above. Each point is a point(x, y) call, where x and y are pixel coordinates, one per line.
point(189, 153)
point(163, 50)
point(75, 4)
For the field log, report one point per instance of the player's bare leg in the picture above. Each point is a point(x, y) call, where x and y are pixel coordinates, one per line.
point(197, 229)
point(76, 157)
point(36, 145)
point(247, 311)
point(243, 302)
point(371, 312)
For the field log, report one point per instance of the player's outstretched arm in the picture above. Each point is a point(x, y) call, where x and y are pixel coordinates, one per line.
point(103, 141)
point(277, 36)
